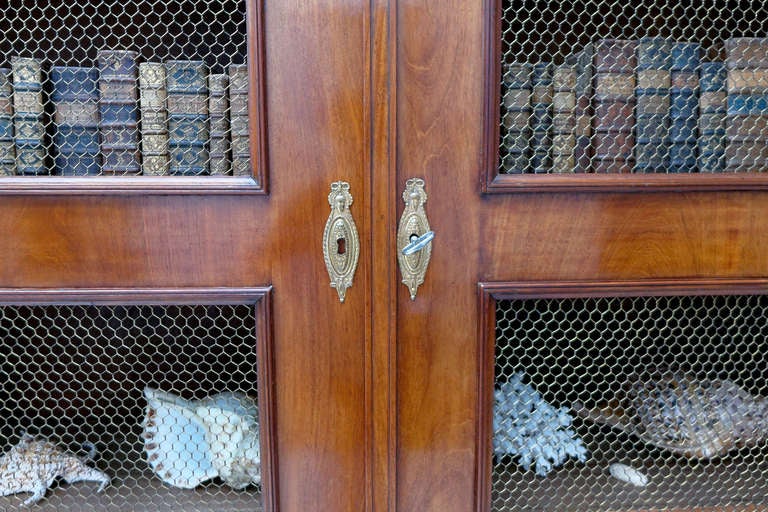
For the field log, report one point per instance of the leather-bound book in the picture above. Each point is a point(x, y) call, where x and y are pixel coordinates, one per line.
point(7, 150)
point(582, 132)
point(515, 118)
point(712, 113)
point(614, 90)
point(75, 98)
point(218, 111)
point(654, 62)
point(238, 117)
point(541, 117)
point(684, 107)
point(28, 111)
point(119, 112)
point(747, 104)
point(154, 119)
point(188, 131)
point(564, 119)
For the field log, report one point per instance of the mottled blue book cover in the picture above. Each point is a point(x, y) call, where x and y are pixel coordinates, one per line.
point(188, 131)
point(75, 95)
point(684, 107)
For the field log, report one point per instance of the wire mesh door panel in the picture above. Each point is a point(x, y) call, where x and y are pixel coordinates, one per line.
point(132, 407)
point(593, 86)
point(630, 403)
point(152, 87)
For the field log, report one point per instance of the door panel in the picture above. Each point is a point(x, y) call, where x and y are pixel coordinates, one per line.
point(528, 236)
point(317, 127)
point(438, 119)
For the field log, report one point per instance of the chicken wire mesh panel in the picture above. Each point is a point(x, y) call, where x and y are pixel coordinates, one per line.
point(639, 403)
point(642, 87)
point(152, 87)
point(135, 408)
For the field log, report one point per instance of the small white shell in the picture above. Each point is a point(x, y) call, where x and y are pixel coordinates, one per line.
point(628, 474)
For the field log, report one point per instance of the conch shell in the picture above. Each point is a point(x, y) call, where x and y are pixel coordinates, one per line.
point(188, 442)
point(700, 419)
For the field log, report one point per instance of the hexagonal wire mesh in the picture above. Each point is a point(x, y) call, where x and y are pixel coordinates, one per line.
point(668, 386)
point(84, 377)
point(127, 87)
point(598, 86)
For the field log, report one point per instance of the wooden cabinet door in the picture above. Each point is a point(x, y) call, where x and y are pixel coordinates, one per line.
point(310, 124)
point(441, 399)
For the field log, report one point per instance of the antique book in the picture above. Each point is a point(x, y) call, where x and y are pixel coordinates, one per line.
point(154, 119)
point(652, 92)
point(684, 107)
point(238, 117)
point(746, 60)
point(515, 118)
point(582, 131)
point(613, 104)
point(218, 112)
point(75, 98)
point(7, 151)
point(28, 125)
point(712, 113)
point(541, 117)
point(118, 111)
point(564, 118)
point(188, 131)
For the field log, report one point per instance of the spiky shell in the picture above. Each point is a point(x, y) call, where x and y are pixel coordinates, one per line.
point(190, 441)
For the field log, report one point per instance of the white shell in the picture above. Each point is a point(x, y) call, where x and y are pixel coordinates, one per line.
point(628, 474)
point(190, 441)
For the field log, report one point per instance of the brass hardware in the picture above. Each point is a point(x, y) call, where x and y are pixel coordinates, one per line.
point(341, 244)
point(414, 238)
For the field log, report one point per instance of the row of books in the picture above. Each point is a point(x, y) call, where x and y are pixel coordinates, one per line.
point(644, 106)
point(122, 117)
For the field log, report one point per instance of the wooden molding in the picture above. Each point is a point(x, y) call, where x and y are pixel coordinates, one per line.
point(257, 94)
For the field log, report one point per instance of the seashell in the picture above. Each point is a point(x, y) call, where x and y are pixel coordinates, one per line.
point(628, 474)
point(700, 419)
point(188, 442)
point(35, 463)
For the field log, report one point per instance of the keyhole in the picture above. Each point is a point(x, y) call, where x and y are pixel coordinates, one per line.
point(341, 245)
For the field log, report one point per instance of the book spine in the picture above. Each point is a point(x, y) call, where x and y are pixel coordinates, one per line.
point(541, 118)
point(746, 104)
point(516, 114)
point(28, 123)
point(652, 94)
point(613, 104)
point(118, 112)
point(238, 116)
point(564, 119)
point(7, 150)
point(188, 130)
point(582, 131)
point(75, 97)
point(154, 119)
point(218, 111)
point(712, 114)
point(684, 108)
